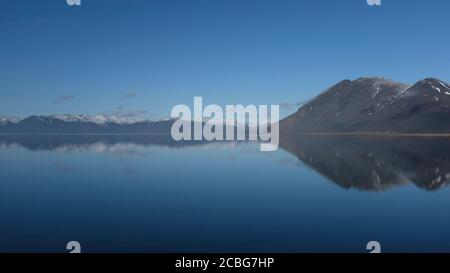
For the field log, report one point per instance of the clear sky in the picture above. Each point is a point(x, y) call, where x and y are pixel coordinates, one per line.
point(144, 56)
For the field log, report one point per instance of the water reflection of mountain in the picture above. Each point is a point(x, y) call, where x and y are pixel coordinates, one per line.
point(364, 163)
point(61, 142)
point(374, 163)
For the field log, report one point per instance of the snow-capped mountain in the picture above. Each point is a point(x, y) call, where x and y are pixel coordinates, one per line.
point(98, 119)
point(86, 124)
point(376, 105)
point(4, 121)
point(83, 124)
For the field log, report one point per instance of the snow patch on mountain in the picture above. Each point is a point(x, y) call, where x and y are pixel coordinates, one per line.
point(445, 85)
point(4, 120)
point(97, 119)
point(436, 88)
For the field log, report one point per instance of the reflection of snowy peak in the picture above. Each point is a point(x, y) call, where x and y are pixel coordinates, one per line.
point(376, 104)
point(374, 163)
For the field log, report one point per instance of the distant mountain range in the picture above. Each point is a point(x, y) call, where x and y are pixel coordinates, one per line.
point(82, 124)
point(375, 105)
point(366, 105)
point(87, 124)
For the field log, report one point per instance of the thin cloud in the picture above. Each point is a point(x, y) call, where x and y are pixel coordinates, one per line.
point(63, 99)
point(123, 112)
point(129, 95)
point(129, 113)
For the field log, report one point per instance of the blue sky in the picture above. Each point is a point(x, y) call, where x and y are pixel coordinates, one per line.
point(145, 56)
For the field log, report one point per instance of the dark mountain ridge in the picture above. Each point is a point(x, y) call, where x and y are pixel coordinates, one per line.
point(364, 105)
point(375, 105)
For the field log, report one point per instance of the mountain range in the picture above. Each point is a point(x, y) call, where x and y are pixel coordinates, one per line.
point(82, 124)
point(87, 124)
point(364, 105)
point(375, 105)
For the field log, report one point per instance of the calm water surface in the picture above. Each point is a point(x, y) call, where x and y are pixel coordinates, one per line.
point(150, 194)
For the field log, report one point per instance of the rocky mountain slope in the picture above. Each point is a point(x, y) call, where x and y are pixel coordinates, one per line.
point(375, 105)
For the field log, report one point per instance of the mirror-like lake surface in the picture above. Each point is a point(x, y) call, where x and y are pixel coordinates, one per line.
point(150, 194)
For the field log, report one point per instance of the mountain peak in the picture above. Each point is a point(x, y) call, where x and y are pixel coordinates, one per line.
point(5, 120)
point(432, 84)
point(375, 104)
point(378, 82)
point(372, 79)
point(375, 87)
point(373, 82)
point(434, 81)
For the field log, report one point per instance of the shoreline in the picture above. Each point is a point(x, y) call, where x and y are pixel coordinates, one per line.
point(387, 134)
